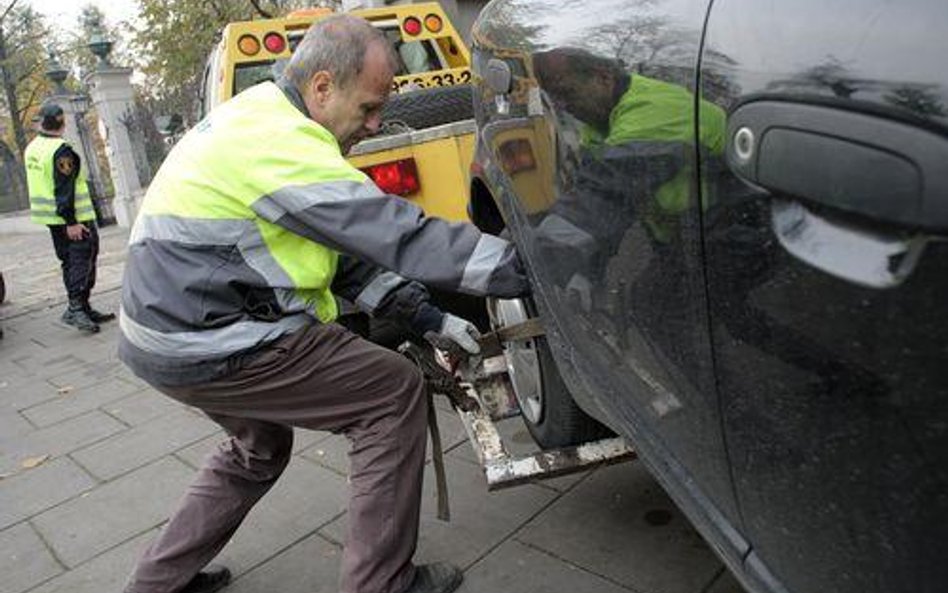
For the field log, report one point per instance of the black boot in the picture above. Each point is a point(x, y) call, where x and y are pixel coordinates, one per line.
point(439, 577)
point(99, 316)
point(77, 317)
point(211, 579)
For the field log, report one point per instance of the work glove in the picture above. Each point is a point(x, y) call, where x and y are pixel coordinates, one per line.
point(456, 336)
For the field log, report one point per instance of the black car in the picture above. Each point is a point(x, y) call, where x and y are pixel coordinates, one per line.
point(734, 214)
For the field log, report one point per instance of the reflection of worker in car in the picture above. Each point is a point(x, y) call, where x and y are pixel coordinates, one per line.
point(633, 169)
point(634, 156)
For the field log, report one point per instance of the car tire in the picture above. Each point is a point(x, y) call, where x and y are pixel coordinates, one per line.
point(547, 407)
point(3, 289)
point(426, 108)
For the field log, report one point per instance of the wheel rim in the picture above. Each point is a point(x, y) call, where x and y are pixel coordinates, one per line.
point(523, 364)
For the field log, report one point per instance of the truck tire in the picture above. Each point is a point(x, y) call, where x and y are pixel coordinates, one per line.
point(426, 108)
point(547, 408)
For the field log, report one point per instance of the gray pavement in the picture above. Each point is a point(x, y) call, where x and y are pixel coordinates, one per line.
point(92, 460)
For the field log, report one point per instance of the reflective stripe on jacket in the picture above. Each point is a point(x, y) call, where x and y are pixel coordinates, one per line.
point(238, 237)
point(39, 156)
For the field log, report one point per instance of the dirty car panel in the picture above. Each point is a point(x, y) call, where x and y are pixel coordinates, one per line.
point(734, 215)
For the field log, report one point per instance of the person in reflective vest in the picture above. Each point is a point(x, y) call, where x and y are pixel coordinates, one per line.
point(249, 232)
point(59, 199)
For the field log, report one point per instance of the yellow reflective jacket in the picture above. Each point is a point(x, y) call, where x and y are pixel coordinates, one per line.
point(239, 235)
point(39, 156)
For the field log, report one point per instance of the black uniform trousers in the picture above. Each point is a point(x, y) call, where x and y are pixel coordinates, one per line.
point(77, 259)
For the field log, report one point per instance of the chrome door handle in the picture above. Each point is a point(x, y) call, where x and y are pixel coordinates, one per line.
point(868, 258)
point(852, 163)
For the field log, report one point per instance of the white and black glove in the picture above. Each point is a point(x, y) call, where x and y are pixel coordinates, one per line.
point(456, 336)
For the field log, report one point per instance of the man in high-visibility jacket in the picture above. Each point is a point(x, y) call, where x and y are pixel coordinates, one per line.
point(59, 199)
point(251, 228)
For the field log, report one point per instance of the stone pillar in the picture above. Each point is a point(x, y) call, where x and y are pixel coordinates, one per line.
point(113, 99)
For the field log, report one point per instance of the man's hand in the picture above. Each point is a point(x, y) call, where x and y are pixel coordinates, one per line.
point(455, 336)
point(77, 232)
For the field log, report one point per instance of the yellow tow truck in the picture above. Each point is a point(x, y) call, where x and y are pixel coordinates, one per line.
point(427, 140)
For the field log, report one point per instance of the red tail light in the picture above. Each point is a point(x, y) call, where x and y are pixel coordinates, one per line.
point(397, 177)
point(412, 26)
point(274, 43)
point(516, 155)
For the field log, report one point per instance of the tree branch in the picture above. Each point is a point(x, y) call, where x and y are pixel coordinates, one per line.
point(36, 90)
point(24, 42)
point(33, 69)
point(21, 112)
point(263, 13)
point(6, 11)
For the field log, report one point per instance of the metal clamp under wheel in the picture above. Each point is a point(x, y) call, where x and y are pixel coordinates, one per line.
point(490, 387)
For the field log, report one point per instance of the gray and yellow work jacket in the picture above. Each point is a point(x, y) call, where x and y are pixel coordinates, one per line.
point(46, 207)
point(245, 227)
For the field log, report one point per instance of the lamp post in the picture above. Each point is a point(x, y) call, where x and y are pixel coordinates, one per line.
point(100, 46)
point(103, 206)
point(56, 73)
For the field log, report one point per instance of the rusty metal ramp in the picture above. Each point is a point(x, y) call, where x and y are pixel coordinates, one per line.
point(485, 381)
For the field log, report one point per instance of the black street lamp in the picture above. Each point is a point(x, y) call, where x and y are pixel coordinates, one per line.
point(56, 73)
point(100, 46)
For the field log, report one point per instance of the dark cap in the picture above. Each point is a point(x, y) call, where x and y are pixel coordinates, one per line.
point(51, 116)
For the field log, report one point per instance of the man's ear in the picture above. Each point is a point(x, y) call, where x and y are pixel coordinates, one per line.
point(321, 85)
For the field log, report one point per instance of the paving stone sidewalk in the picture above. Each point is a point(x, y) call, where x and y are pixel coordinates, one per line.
point(92, 460)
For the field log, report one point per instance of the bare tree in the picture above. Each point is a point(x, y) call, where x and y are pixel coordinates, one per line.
point(22, 85)
point(21, 66)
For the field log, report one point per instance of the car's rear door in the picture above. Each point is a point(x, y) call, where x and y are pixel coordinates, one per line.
point(828, 286)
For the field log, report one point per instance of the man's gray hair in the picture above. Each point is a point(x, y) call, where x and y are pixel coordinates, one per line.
point(336, 44)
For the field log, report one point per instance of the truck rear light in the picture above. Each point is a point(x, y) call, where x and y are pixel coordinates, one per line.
point(248, 45)
point(274, 43)
point(433, 23)
point(412, 26)
point(395, 177)
point(516, 155)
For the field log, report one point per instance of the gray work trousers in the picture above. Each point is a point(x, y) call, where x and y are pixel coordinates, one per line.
point(321, 377)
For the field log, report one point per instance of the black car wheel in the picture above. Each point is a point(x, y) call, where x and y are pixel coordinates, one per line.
point(547, 407)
